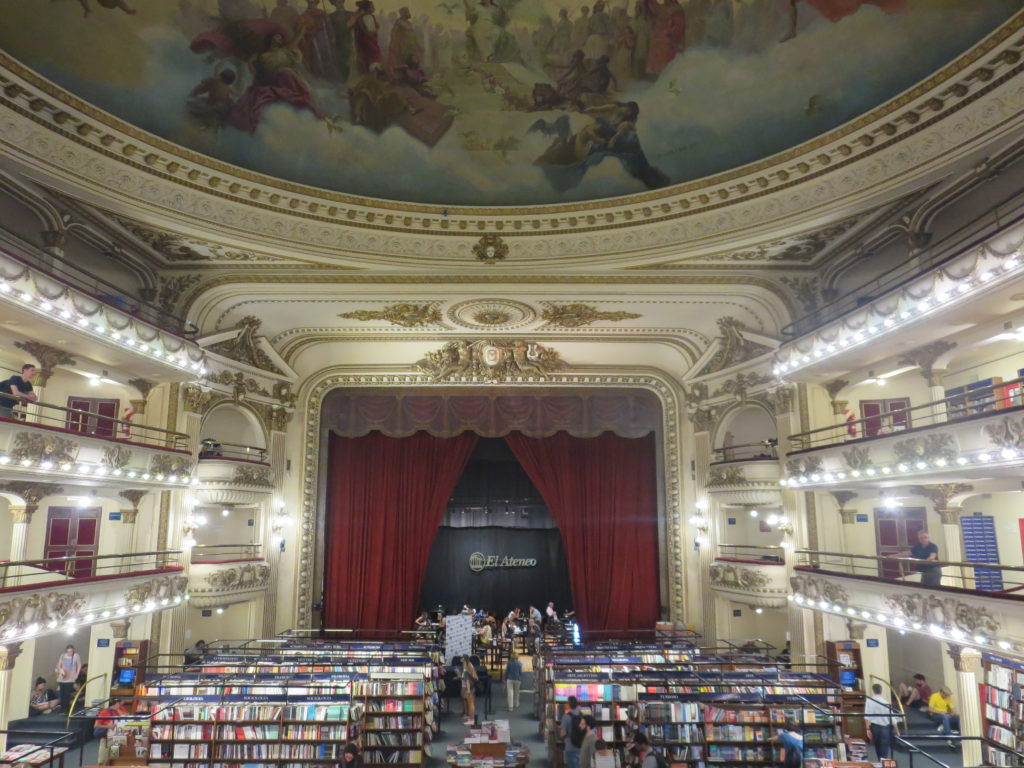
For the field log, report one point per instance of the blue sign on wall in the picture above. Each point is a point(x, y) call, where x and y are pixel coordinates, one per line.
point(980, 546)
point(862, 517)
point(102, 642)
point(114, 515)
point(207, 614)
point(872, 642)
point(732, 521)
point(737, 612)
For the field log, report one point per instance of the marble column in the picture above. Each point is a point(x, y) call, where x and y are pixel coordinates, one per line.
point(706, 553)
point(968, 667)
point(8, 655)
point(952, 538)
point(127, 537)
point(22, 518)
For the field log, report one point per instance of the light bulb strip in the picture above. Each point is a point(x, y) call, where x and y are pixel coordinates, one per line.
point(904, 624)
point(82, 469)
point(88, 616)
point(1007, 457)
point(183, 358)
point(879, 319)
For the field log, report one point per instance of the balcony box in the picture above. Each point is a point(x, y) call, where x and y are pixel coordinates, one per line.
point(746, 482)
point(226, 480)
point(218, 584)
point(750, 582)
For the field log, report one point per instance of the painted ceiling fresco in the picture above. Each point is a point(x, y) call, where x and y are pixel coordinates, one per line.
point(491, 102)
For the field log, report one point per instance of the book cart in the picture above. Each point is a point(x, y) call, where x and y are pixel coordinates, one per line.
point(295, 706)
point(697, 709)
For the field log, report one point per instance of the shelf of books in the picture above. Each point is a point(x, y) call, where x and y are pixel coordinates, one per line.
point(1002, 706)
point(396, 716)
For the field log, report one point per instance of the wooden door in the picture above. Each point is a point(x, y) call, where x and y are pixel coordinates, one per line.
point(72, 532)
point(879, 418)
point(896, 531)
point(98, 422)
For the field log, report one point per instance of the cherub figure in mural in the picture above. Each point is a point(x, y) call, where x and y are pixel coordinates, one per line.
point(612, 133)
point(365, 30)
point(211, 101)
point(108, 4)
point(487, 38)
point(316, 41)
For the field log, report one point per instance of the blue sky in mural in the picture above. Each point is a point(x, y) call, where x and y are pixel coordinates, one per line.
point(491, 102)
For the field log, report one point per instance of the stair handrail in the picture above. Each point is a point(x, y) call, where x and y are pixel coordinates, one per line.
point(74, 700)
point(895, 695)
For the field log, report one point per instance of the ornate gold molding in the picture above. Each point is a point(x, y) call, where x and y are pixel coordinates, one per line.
point(405, 315)
point(32, 493)
point(490, 360)
point(577, 315)
point(48, 358)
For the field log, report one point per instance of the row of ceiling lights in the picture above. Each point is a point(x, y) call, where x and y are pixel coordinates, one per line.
point(97, 470)
point(83, 323)
point(72, 623)
point(936, 299)
point(901, 624)
point(1008, 454)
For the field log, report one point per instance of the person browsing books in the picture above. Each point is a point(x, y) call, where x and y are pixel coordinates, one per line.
point(791, 742)
point(881, 722)
point(571, 733)
point(513, 680)
point(588, 749)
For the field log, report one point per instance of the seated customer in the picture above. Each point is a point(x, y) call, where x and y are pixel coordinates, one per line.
point(916, 694)
point(43, 701)
point(941, 710)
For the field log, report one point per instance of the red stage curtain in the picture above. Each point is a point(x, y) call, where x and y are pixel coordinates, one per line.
point(602, 493)
point(385, 500)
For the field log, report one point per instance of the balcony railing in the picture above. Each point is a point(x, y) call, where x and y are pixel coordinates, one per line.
point(974, 403)
point(744, 553)
point(215, 449)
point(77, 422)
point(225, 553)
point(766, 449)
point(971, 235)
point(997, 580)
point(60, 570)
point(74, 276)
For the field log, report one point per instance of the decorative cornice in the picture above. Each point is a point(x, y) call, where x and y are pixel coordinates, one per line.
point(31, 493)
point(48, 358)
point(405, 315)
point(576, 315)
point(490, 360)
point(245, 347)
point(924, 358)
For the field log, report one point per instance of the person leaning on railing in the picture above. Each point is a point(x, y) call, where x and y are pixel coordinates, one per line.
point(17, 388)
point(925, 550)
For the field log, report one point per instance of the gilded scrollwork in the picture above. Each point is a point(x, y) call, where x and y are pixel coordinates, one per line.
point(406, 315)
point(805, 465)
point(722, 476)
point(116, 457)
point(491, 360)
point(22, 612)
point(577, 315)
point(816, 589)
point(170, 465)
point(1005, 433)
point(246, 475)
point(159, 588)
point(737, 577)
point(945, 612)
point(857, 457)
point(242, 577)
point(926, 448)
point(245, 347)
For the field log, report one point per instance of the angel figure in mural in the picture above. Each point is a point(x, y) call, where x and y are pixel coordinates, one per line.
point(487, 38)
point(612, 133)
point(108, 4)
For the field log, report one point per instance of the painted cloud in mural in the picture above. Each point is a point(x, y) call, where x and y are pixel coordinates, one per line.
point(491, 102)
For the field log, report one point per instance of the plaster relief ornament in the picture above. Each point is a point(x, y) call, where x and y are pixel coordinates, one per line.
point(253, 476)
point(245, 347)
point(38, 448)
point(733, 347)
point(737, 577)
point(490, 360)
point(490, 249)
point(491, 314)
point(927, 448)
point(404, 315)
point(720, 476)
point(577, 315)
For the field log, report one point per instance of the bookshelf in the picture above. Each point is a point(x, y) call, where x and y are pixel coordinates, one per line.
point(1002, 707)
point(395, 698)
point(129, 666)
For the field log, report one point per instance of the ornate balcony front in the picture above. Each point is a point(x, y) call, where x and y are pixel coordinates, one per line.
point(977, 434)
point(217, 580)
point(233, 474)
point(752, 481)
point(68, 445)
point(960, 611)
point(43, 597)
point(754, 576)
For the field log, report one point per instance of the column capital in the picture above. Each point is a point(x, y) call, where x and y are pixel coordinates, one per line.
point(925, 358)
point(129, 516)
point(965, 659)
point(848, 516)
point(950, 515)
point(119, 629)
point(9, 653)
point(21, 515)
point(942, 495)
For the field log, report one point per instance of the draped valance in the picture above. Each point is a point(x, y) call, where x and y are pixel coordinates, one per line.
point(626, 413)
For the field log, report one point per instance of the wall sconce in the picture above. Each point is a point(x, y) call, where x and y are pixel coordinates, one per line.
point(700, 522)
point(780, 523)
point(191, 525)
point(278, 523)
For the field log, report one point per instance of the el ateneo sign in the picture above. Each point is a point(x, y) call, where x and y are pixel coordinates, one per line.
point(480, 562)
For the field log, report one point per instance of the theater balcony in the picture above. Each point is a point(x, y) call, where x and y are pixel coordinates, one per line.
point(122, 332)
point(233, 474)
point(978, 604)
point(71, 445)
point(47, 596)
point(972, 435)
point(745, 475)
point(225, 574)
point(972, 278)
point(754, 576)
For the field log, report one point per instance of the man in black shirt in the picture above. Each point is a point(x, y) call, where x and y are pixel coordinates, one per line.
point(926, 550)
point(15, 388)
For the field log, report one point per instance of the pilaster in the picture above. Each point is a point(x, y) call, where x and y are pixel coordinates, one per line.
point(967, 662)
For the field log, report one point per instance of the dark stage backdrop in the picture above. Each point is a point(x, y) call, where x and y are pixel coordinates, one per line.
point(450, 581)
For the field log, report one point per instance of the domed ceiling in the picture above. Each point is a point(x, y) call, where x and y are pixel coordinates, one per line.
point(491, 102)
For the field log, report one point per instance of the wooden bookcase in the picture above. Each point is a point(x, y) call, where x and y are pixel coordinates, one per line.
point(1002, 707)
point(129, 659)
